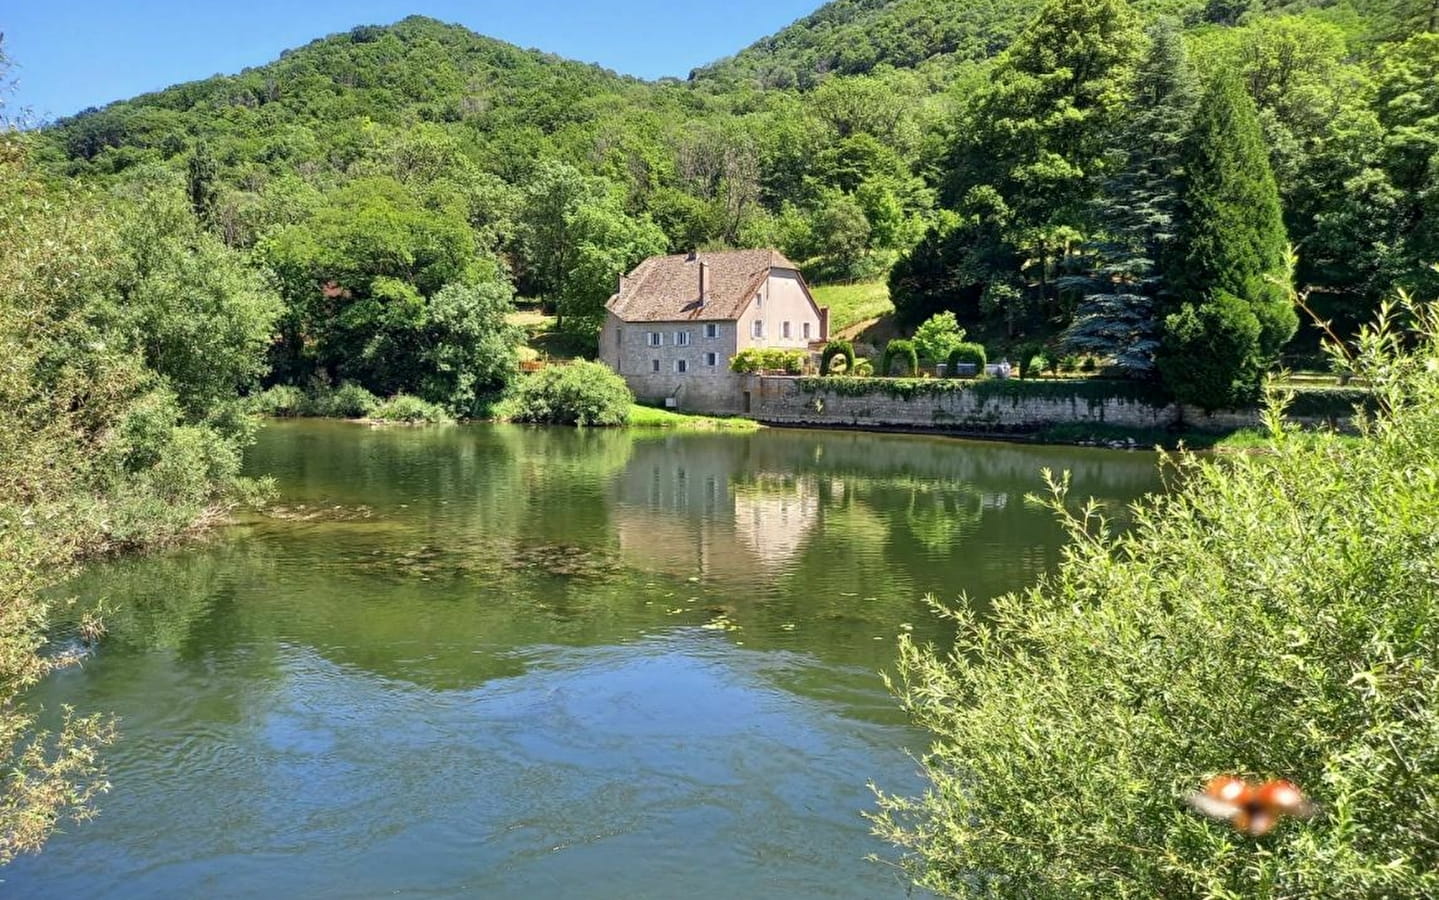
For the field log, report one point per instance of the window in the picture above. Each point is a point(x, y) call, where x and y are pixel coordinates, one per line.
point(711, 359)
point(682, 366)
point(805, 329)
point(711, 330)
point(784, 331)
point(682, 338)
point(654, 338)
point(654, 365)
point(757, 329)
point(619, 337)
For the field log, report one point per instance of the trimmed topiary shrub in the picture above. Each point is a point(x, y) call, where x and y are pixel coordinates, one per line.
point(580, 393)
point(904, 351)
point(843, 349)
point(411, 410)
point(970, 353)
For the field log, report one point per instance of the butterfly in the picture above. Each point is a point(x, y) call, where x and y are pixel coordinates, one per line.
point(1252, 809)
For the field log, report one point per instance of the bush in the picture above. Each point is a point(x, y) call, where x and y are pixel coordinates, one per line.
point(1210, 354)
point(1088, 365)
point(842, 349)
point(1034, 366)
point(968, 353)
point(281, 401)
point(411, 410)
point(581, 393)
point(936, 339)
point(754, 360)
point(1274, 616)
point(348, 401)
point(902, 350)
point(863, 368)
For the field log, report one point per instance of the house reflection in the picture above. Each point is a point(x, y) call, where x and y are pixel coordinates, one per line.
point(702, 513)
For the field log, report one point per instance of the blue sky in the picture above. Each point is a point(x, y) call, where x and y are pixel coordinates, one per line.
point(72, 54)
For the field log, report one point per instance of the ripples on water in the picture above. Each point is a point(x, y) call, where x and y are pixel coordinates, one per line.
point(513, 662)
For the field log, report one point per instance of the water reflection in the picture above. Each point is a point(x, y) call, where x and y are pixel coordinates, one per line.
point(540, 662)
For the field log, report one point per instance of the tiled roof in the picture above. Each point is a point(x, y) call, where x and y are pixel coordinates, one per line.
point(667, 288)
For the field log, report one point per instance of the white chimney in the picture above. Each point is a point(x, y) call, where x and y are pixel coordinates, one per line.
point(704, 283)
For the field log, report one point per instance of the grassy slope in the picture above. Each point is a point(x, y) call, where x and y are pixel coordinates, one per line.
point(851, 304)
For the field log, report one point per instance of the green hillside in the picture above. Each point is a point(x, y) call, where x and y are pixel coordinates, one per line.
point(977, 150)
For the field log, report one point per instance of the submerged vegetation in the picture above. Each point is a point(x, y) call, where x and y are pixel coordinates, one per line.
point(1273, 616)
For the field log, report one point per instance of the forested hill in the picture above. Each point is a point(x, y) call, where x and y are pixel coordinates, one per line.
point(852, 37)
point(418, 69)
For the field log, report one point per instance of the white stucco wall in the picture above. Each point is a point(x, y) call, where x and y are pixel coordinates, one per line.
point(780, 299)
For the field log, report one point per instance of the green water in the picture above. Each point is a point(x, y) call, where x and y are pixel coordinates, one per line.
point(508, 662)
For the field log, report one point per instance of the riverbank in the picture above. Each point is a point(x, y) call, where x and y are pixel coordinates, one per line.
point(642, 416)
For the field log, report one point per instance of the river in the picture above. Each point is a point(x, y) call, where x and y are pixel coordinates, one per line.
point(525, 662)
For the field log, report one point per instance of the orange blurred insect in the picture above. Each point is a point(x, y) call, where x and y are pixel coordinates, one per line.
point(1252, 809)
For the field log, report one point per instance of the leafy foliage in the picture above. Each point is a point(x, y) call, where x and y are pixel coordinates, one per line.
point(579, 393)
point(409, 410)
point(1271, 616)
point(126, 332)
point(938, 336)
point(754, 360)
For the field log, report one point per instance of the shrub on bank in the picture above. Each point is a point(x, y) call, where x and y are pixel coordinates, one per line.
point(281, 401)
point(754, 360)
point(580, 393)
point(410, 410)
point(348, 401)
point(1275, 616)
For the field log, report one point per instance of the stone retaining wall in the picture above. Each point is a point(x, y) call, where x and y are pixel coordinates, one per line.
point(988, 406)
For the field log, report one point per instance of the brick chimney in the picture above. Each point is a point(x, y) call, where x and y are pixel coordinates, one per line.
point(704, 283)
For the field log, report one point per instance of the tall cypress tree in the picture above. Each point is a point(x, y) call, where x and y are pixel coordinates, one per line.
point(1230, 237)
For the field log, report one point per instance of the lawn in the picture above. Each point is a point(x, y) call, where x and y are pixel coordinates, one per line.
point(653, 417)
point(851, 304)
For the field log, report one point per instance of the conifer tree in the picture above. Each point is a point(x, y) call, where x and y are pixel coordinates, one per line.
point(1230, 238)
point(1230, 234)
point(1119, 317)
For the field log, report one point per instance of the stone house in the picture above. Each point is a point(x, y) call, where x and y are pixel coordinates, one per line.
point(676, 322)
